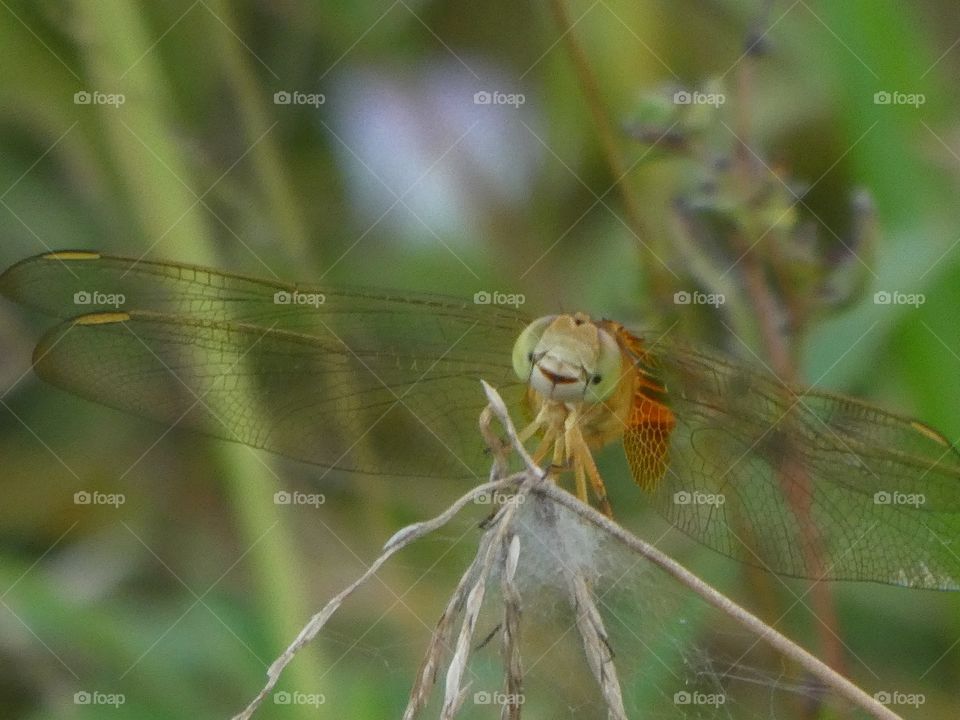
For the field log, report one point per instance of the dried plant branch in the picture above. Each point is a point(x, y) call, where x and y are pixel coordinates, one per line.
point(494, 548)
point(496, 544)
point(781, 348)
point(513, 667)
point(595, 644)
point(500, 551)
point(823, 672)
point(440, 642)
point(400, 540)
point(607, 135)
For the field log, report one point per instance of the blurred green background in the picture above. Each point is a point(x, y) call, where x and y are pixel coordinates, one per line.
point(181, 597)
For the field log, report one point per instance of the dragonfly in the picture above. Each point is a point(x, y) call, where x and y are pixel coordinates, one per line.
point(800, 482)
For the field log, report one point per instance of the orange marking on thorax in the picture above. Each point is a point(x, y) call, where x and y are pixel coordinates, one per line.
point(647, 408)
point(650, 421)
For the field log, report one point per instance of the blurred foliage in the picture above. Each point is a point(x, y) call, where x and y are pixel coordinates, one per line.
point(180, 598)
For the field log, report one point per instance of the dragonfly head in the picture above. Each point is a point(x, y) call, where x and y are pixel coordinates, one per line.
point(568, 358)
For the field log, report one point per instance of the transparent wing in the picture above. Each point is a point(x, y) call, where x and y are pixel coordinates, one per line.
point(72, 283)
point(368, 381)
point(805, 483)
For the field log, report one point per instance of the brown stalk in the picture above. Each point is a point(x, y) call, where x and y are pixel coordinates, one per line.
point(782, 353)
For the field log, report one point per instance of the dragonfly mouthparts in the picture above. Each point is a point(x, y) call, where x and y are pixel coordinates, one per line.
point(555, 378)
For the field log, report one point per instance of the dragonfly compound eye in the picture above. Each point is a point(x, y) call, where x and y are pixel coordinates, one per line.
point(606, 372)
point(524, 355)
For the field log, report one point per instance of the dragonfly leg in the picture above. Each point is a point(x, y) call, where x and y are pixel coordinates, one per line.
point(544, 446)
point(584, 464)
point(572, 456)
point(500, 446)
point(599, 489)
point(559, 450)
point(530, 430)
point(494, 442)
point(581, 479)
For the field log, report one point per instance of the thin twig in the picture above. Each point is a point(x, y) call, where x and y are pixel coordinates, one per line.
point(781, 350)
point(608, 142)
point(496, 548)
point(400, 540)
point(513, 667)
point(597, 647)
point(751, 622)
point(440, 641)
point(590, 625)
point(501, 547)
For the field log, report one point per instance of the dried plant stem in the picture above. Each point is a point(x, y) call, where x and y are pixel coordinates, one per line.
point(593, 633)
point(500, 549)
point(513, 667)
point(608, 142)
point(499, 543)
point(595, 644)
point(495, 547)
point(782, 356)
point(400, 540)
point(427, 675)
point(781, 352)
point(830, 678)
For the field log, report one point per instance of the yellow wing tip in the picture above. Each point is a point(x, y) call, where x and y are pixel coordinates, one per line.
point(931, 433)
point(102, 318)
point(71, 255)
